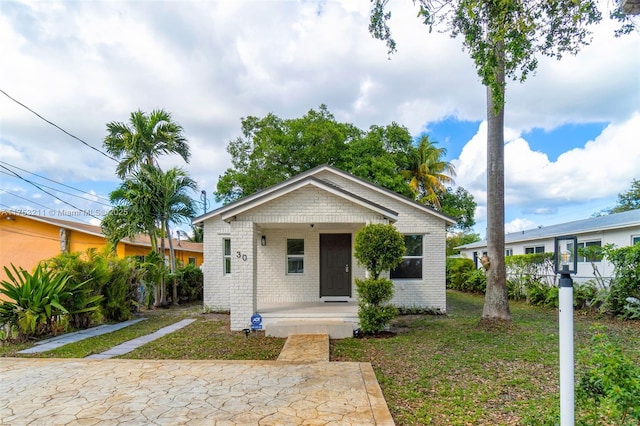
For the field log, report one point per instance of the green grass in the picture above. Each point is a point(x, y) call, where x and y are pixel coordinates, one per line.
point(453, 370)
point(437, 370)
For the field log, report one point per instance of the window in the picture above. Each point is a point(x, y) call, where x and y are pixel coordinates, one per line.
point(295, 256)
point(593, 255)
point(508, 252)
point(192, 261)
point(411, 266)
point(531, 250)
point(226, 268)
point(635, 239)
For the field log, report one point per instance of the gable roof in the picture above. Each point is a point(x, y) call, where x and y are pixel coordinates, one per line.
point(310, 178)
point(140, 240)
point(593, 224)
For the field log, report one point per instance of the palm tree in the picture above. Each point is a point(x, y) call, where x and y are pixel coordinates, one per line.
point(173, 205)
point(428, 173)
point(144, 140)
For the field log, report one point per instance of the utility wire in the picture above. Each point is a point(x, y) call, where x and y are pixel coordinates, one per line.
point(26, 199)
point(54, 181)
point(47, 192)
point(64, 192)
point(56, 126)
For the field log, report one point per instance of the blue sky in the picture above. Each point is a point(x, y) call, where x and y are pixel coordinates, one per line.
point(571, 130)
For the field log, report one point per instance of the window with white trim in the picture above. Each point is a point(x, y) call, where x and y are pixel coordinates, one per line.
point(226, 256)
point(508, 252)
point(532, 250)
point(295, 256)
point(411, 266)
point(591, 257)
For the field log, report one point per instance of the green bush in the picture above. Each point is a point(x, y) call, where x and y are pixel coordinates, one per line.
point(374, 312)
point(379, 248)
point(90, 268)
point(625, 286)
point(475, 282)
point(190, 283)
point(36, 301)
point(456, 269)
point(608, 388)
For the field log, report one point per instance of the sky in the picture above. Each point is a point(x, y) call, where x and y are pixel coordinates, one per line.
point(572, 130)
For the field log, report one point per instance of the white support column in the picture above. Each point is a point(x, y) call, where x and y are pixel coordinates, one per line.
point(243, 297)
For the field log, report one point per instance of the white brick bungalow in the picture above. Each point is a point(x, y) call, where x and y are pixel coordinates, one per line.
point(293, 242)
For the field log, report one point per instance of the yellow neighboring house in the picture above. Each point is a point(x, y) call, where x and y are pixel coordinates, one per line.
point(25, 240)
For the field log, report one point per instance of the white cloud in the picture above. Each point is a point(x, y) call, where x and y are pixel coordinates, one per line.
point(536, 186)
point(83, 64)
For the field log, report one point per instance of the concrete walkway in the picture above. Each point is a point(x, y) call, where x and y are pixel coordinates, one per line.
point(301, 388)
point(130, 345)
point(58, 341)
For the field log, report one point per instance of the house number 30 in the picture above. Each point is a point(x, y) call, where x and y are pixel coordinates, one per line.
point(241, 256)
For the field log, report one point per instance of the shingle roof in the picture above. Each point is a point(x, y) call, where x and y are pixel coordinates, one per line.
point(600, 223)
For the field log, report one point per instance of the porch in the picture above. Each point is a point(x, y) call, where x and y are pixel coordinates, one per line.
point(337, 319)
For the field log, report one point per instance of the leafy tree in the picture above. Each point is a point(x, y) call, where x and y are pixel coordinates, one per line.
point(146, 200)
point(458, 239)
point(144, 139)
point(428, 172)
point(272, 149)
point(172, 204)
point(629, 200)
point(504, 39)
point(379, 156)
point(460, 205)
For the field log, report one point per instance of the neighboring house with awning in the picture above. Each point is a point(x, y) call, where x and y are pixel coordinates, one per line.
point(292, 243)
point(26, 239)
point(619, 229)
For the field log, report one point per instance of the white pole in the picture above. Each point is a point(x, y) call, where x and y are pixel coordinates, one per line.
point(565, 320)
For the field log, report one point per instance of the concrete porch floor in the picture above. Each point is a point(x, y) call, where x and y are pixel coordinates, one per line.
point(337, 319)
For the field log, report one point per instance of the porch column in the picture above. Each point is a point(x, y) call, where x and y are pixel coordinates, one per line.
point(243, 294)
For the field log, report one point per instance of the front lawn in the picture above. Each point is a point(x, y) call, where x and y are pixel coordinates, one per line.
point(450, 370)
point(437, 370)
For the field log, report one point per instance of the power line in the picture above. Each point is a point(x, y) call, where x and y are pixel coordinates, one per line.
point(56, 126)
point(64, 192)
point(54, 181)
point(47, 192)
point(26, 199)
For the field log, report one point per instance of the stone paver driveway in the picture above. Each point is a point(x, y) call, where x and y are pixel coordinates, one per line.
point(169, 392)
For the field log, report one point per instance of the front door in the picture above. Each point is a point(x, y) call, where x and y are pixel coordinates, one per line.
point(335, 265)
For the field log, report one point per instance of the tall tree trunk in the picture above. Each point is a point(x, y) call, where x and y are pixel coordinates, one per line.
point(163, 284)
point(172, 265)
point(496, 302)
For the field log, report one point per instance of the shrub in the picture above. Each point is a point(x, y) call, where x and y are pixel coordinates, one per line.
point(35, 302)
point(88, 272)
point(190, 283)
point(524, 269)
point(475, 282)
point(625, 285)
point(609, 383)
point(373, 310)
point(456, 269)
point(378, 248)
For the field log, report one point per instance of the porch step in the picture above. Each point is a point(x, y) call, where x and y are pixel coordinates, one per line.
point(336, 329)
